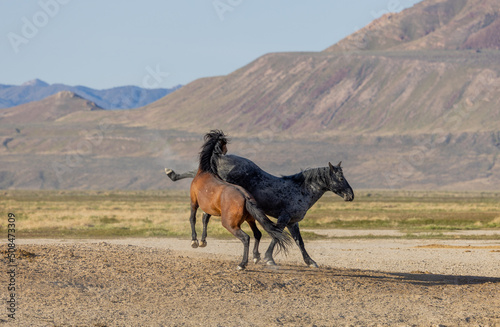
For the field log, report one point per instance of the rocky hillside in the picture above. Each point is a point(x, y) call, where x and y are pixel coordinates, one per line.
point(336, 93)
point(431, 25)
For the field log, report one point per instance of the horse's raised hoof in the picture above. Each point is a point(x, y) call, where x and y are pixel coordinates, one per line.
point(194, 244)
point(203, 244)
point(168, 171)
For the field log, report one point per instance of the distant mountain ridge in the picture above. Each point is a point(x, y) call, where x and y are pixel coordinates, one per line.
point(123, 97)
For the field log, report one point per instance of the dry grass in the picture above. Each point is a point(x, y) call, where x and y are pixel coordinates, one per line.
point(97, 214)
point(166, 213)
point(408, 211)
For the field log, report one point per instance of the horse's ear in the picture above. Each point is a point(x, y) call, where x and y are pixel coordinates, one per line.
point(332, 169)
point(338, 166)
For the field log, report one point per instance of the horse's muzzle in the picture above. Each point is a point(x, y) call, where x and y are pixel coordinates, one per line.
point(348, 197)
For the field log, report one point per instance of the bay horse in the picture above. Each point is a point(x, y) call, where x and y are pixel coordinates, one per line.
point(231, 202)
point(287, 198)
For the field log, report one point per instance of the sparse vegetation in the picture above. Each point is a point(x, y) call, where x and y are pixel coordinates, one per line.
point(89, 214)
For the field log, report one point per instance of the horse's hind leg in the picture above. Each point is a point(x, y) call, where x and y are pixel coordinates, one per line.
point(268, 257)
point(257, 235)
point(205, 220)
point(282, 223)
point(245, 239)
point(242, 236)
point(192, 220)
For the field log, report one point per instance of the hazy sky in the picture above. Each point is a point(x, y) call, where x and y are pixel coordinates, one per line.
point(162, 43)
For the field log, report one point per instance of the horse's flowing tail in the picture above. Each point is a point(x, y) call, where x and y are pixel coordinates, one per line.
point(283, 239)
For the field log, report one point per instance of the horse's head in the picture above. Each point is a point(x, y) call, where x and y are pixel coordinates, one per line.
point(338, 183)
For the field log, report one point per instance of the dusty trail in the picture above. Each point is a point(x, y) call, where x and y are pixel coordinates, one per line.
point(163, 282)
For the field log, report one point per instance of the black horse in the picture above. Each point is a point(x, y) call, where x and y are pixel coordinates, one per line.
point(287, 198)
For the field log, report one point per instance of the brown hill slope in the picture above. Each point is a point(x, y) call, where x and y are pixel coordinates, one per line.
point(48, 109)
point(334, 93)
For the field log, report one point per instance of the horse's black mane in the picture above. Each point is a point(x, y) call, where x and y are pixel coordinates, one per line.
point(211, 150)
point(309, 176)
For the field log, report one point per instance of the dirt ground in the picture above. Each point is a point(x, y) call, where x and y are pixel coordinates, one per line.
point(163, 282)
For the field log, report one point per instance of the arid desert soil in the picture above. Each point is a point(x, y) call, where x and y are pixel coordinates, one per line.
point(163, 282)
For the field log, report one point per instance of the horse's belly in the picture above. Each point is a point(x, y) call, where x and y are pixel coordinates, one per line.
point(209, 208)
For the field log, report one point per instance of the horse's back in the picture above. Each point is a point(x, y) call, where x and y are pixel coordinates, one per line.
point(271, 193)
point(243, 172)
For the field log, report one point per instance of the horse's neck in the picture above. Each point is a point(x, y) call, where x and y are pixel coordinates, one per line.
point(315, 183)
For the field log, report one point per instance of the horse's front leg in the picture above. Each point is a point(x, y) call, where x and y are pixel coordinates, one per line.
point(192, 220)
point(295, 231)
point(283, 221)
point(205, 220)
